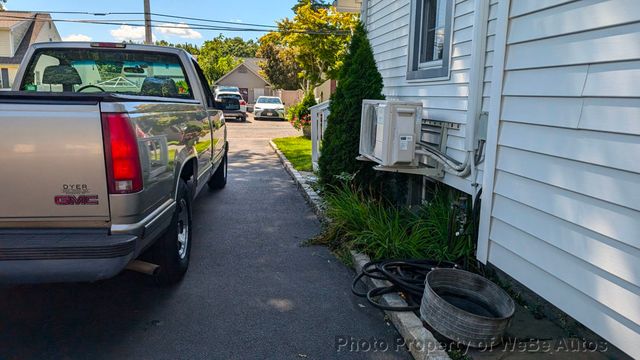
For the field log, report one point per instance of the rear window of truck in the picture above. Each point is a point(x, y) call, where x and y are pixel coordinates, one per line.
point(106, 71)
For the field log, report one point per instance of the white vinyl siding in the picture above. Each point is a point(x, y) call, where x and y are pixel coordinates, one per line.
point(388, 24)
point(5, 43)
point(565, 214)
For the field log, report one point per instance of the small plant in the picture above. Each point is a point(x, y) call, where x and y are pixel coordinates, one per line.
point(299, 115)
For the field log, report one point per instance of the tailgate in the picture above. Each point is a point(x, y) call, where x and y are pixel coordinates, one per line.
point(52, 166)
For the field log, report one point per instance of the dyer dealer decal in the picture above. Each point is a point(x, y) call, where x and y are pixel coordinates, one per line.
point(76, 194)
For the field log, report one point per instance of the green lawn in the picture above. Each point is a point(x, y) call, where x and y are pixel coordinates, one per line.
point(297, 150)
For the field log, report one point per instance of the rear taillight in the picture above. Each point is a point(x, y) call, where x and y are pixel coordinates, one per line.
point(121, 153)
point(242, 102)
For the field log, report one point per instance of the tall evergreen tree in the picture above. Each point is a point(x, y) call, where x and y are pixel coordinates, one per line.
point(358, 80)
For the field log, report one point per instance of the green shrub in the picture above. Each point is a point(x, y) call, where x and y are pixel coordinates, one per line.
point(299, 114)
point(372, 226)
point(358, 80)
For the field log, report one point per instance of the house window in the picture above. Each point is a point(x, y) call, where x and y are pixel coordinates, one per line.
point(4, 78)
point(430, 39)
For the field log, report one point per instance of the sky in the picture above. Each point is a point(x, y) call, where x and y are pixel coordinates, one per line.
point(264, 12)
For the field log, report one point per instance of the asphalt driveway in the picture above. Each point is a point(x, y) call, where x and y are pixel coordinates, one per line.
point(253, 291)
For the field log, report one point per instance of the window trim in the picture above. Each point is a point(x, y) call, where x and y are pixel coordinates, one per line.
point(209, 98)
point(422, 71)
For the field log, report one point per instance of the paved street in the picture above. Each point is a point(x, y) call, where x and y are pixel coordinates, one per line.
point(252, 291)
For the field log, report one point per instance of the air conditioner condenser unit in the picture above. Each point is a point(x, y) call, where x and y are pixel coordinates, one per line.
point(389, 131)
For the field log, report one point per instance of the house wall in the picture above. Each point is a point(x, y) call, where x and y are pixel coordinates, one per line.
point(12, 70)
point(244, 78)
point(48, 33)
point(388, 23)
point(562, 215)
point(348, 5)
point(5, 43)
point(324, 91)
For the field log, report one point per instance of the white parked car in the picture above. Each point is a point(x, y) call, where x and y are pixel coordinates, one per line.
point(233, 95)
point(268, 107)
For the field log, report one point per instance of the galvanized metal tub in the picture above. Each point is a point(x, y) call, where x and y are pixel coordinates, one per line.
point(466, 307)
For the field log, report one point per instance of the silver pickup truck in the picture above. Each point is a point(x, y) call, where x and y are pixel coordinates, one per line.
point(103, 148)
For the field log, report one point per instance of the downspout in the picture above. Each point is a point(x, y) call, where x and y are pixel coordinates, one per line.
point(363, 12)
point(476, 85)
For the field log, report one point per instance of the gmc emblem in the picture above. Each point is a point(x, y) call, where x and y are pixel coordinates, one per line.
point(65, 200)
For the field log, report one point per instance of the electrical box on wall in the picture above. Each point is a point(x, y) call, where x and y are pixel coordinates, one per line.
point(481, 126)
point(389, 131)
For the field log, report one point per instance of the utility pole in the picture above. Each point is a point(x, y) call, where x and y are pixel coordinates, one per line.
point(148, 39)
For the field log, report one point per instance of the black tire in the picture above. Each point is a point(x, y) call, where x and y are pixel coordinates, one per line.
point(244, 119)
point(219, 178)
point(173, 250)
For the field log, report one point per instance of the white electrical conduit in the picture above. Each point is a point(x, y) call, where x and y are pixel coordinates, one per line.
point(451, 166)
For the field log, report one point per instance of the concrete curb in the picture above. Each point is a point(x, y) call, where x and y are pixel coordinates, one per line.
point(420, 342)
point(307, 191)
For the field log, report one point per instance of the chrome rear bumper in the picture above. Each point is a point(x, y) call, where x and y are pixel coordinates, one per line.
point(58, 255)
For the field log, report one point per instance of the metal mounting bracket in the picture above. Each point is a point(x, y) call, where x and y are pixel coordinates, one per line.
point(364, 158)
point(424, 171)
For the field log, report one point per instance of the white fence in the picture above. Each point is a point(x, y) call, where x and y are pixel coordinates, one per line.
point(319, 116)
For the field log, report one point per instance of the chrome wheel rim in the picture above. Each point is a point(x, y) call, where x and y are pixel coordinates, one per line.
point(183, 228)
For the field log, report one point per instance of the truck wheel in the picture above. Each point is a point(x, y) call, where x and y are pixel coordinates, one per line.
point(219, 178)
point(173, 249)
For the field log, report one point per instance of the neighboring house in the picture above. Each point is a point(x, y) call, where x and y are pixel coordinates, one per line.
point(18, 30)
point(352, 6)
point(558, 81)
point(247, 76)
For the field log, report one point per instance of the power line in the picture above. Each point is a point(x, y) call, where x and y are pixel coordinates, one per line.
point(157, 14)
point(176, 25)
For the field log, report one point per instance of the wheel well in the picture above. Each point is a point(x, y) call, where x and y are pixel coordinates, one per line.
point(188, 172)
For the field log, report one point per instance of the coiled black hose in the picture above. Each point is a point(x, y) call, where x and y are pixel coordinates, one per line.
point(407, 277)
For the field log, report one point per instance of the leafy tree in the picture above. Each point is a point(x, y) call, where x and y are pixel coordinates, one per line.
point(318, 36)
point(2, 2)
point(358, 80)
point(190, 48)
point(316, 4)
point(279, 65)
point(220, 55)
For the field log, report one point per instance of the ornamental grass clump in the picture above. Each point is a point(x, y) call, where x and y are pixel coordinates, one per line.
point(382, 231)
